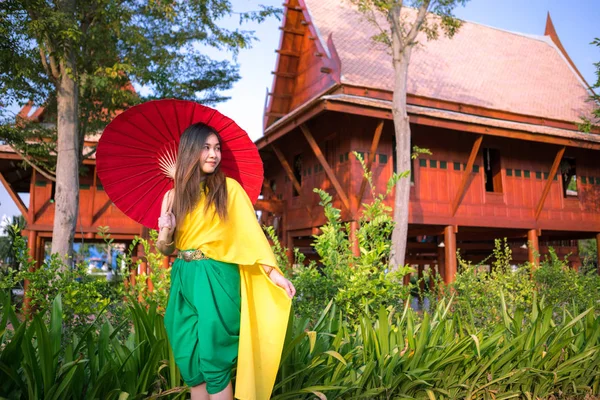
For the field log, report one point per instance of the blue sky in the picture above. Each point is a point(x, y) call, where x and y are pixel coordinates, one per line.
point(576, 22)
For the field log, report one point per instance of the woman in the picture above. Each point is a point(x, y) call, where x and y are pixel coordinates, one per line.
point(229, 301)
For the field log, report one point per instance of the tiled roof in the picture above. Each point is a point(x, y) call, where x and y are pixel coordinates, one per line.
point(479, 66)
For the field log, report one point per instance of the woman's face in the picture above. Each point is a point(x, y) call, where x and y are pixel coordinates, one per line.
point(210, 157)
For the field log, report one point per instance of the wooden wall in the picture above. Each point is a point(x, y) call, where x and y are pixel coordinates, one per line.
point(95, 208)
point(437, 177)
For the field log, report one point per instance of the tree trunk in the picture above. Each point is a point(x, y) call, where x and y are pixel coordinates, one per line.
point(67, 176)
point(403, 153)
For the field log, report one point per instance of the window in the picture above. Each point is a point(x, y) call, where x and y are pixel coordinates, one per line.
point(297, 168)
point(491, 166)
point(568, 172)
point(53, 192)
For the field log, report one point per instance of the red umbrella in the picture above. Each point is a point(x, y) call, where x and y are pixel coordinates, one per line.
point(136, 154)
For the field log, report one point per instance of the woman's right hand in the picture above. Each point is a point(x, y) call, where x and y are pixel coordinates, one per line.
point(167, 221)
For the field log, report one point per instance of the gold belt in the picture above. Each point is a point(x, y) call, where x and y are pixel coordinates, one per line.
point(191, 255)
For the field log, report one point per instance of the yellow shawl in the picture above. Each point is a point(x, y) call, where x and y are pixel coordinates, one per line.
point(265, 307)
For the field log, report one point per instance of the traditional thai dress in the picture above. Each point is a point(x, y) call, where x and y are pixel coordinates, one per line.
point(224, 308)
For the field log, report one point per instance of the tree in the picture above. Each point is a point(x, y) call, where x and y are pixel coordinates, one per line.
point(588, 123)
point(79, 58)
point(399, 27)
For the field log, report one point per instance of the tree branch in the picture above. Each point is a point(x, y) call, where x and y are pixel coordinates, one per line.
point(38, 169)
point(45, 63)
point(53, 66)
point(372, 18)
point(414, 31)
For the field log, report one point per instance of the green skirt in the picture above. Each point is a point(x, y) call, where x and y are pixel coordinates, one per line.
point(203, 321)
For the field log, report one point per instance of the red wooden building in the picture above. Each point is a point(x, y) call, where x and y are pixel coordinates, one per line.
point(498, 110)
point(95, 208)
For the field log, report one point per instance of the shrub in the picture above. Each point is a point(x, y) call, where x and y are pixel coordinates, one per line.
point(479, 293)
point(93, 364)
point(158, 276)
point(355, 283)
point(562, 286)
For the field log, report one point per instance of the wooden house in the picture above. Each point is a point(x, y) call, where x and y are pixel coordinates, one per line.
point(95, 208)
point(498, 110)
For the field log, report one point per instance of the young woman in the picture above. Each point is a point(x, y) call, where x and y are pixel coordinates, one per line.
point(229, 302)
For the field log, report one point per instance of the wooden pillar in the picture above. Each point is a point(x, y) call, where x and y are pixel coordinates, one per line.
point(290, 249)
point(533, 246)
point(39, 255)
point(354, 238)
point(31, 245)
point(441, 264)
point(450, 253)
point(406, 279)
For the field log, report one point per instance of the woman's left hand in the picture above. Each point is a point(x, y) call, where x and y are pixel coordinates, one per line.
point(282, 282)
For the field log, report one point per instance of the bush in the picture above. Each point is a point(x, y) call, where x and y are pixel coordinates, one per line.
point(92, 364)
point(355, 283)
point(479, 293)
point(561, 285)
point(159, 277)
point(394, 354)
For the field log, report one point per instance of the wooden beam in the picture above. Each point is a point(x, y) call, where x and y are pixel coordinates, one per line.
point(287, 53)
point(272, 205)
point(275, 114)
point(374, 146)
point(101, 211)
point(285, 74)
point(291, 7)
point(334, 181)
point(290, 174)
point(281, 96)
point(466, 175)
point(299, 32)
point(286, 167)
point(462, 126)
point(14, 196)
point(41, 210)
point(548, 184)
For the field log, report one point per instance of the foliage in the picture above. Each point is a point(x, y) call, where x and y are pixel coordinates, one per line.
point(479, 293)
point(441, 355)
point(398, 26)
point(93, 364)
point(591, 122)
point(354, 282)
point(158, 45)
point(157, 276)
point(402, 26)
point(588, 251)
point(12, 230)
point(561, 285)
point(388, 354)
point(87, 55)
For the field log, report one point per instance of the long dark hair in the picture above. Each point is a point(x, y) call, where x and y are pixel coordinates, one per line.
point(189, 175)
